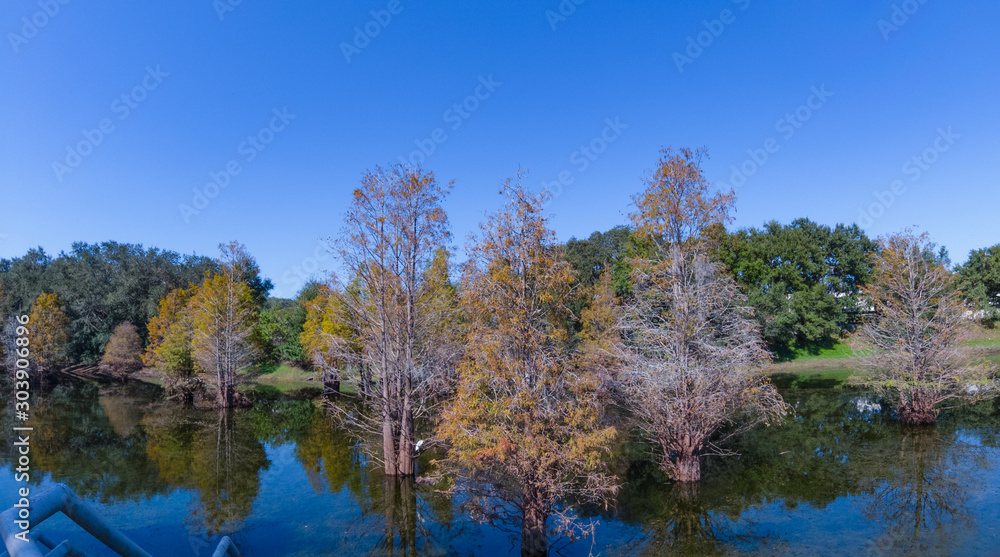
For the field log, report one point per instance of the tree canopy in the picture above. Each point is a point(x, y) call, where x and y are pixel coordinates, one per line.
point(100, 286)
point(803, 279)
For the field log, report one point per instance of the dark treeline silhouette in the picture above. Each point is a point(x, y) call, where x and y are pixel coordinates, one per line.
point(99, 286)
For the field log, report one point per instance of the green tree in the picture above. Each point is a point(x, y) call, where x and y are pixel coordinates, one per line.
point(600, 250)
point(278, 329)
point(979, 279)
point(803, 279)
point(100, 285)
point(123, 354)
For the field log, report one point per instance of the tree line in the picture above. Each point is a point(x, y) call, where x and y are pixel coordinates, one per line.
point(526, 369)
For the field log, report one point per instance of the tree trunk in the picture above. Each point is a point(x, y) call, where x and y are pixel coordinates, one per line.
point(225, 396)
point(389, 447)
point(406, 441)
point(331, 385)
point(919, 410)
point(688, 466)
point(534, 542)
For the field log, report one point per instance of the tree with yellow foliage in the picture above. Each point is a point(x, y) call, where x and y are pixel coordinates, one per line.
point(224, 317)
point(328, 337)
point(168, 314)
point(49, 333)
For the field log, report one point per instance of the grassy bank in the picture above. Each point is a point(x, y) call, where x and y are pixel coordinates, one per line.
point(838, 362)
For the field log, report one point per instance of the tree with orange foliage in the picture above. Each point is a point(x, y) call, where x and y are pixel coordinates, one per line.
point(123, 353)
point(692, 353)
point(523, 429)
point(393, 229)
point(913, 352)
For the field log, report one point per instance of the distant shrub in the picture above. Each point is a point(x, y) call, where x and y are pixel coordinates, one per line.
point(123, 353)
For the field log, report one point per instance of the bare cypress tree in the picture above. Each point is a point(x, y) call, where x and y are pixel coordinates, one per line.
point(692, 353)
point(392, 231)
point(225, 316)
point(915, 355)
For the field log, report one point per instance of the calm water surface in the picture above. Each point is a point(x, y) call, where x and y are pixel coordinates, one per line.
point(840, 478)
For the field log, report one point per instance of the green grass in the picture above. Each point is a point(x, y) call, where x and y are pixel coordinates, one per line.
point(284, 378)
point(985, 342)
point(838, 350)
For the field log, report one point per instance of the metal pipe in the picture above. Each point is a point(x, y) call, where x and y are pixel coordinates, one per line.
point(45, 505)
point(61, 550)
point(62, 498)
point(82, 513)
point(226, 548)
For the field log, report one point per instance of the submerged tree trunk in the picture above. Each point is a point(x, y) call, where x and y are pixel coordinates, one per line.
point(534, 542)
point(406, 440)
point(919, 410)
point(687, 466)
point(389, 447)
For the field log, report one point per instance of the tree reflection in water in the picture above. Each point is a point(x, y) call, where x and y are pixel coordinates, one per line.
point(908, 489)
point(216, 454)
point(921, 495)
point(410, 517)
point(92, 443)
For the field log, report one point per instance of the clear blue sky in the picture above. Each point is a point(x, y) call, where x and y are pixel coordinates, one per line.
point(556, 81)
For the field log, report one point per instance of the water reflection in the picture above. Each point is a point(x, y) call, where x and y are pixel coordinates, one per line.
point(219, 456)
point(895, 490)
point(922, 498)
point(93, 443)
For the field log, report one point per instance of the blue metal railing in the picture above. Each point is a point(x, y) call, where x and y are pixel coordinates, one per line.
point(62, 499)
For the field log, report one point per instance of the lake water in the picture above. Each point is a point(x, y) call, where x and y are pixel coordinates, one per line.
point(840, 478)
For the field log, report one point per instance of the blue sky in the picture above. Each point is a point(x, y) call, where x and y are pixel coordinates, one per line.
point(843, 94)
